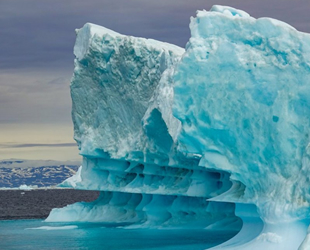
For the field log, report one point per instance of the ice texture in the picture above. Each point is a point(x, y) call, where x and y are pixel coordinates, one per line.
point(242, 94)
point(120, 74)
point(190, 137)
point(122, 97)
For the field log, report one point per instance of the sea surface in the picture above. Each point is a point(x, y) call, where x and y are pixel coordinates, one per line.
point(22, 226)
point(36, 234)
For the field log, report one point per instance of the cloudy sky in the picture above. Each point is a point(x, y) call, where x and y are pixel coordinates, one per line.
point(36, 60)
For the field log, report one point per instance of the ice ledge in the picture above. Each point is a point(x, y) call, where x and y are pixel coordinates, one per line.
point(84, 36)
point(90, 31)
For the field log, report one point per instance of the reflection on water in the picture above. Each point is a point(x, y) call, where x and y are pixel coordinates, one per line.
point(20, 234)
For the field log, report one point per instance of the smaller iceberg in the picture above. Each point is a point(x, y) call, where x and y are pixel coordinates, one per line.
point(26, 187)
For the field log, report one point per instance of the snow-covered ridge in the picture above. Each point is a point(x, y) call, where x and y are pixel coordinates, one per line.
point(41, 173)
point(162, 130)
point(20, 163)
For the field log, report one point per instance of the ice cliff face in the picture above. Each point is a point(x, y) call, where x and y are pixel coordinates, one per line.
point(120, 75)
point(162, 129)
point(122, 96)
point(248, 111)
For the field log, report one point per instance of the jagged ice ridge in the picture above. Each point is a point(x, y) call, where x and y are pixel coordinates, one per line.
point(192, 137)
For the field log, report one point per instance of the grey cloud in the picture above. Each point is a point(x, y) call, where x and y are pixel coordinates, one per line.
point(35, 97)
point(59, 80)
point(37, 39)
point(36, 34)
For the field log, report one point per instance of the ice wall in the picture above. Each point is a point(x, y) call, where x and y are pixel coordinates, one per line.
point(178, 137)
point(249, 109)
point(114, 79)
point(122, 95)
point(248, 114)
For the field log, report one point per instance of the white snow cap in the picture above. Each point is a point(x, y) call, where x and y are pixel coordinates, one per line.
point(229, 11)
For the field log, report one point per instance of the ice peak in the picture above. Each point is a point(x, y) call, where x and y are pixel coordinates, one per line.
point(229, 11)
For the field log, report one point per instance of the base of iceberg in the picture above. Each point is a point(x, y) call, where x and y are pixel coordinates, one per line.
point(257, 235)
point(147, 210)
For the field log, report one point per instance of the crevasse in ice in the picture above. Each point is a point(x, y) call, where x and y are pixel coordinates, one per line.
point(188, 137)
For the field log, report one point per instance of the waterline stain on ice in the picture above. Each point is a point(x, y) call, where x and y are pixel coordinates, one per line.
point(54, 228)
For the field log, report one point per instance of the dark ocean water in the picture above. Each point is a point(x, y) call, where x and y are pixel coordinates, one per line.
point(19, 204)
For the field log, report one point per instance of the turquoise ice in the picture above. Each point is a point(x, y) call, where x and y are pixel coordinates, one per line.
point(176, 137)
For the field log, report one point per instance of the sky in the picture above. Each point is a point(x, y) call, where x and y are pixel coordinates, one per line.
point(36, 59)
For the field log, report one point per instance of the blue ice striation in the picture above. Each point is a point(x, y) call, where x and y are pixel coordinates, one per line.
point(199, 137)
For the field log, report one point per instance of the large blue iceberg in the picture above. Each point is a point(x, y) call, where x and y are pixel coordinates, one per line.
point(199, 137)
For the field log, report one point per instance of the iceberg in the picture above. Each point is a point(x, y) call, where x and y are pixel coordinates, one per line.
point(199, 137)
point(122, 97)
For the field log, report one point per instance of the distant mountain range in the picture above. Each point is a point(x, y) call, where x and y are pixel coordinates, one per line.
point(14, 173)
